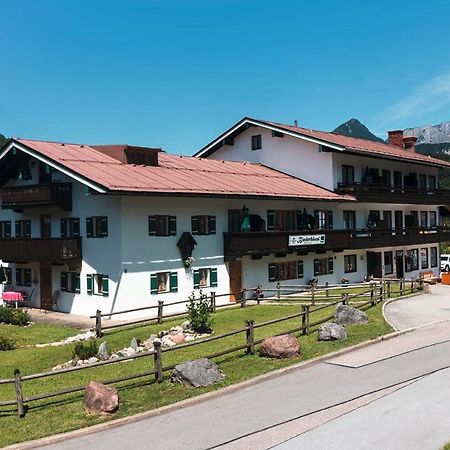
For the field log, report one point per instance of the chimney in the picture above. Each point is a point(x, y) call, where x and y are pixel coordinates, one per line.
point(410, 143)
point(295, 123)
point(395, 137)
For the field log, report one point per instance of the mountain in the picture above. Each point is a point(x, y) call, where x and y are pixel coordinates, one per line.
point(2, 139)
point(354, 128)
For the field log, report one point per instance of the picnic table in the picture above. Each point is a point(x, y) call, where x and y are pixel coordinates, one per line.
point(13, 297)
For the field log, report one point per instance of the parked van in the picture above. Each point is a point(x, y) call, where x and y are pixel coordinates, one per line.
point(445, 263)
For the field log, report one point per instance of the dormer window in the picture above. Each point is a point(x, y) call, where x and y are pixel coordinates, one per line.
point(256, 142)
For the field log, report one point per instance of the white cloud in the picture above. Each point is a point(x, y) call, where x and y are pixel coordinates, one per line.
point(429, 97)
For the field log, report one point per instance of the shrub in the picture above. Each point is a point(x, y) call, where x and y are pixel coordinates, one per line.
point(85, 351)
point(199, 310)
point(14, 316)
point(6, 343)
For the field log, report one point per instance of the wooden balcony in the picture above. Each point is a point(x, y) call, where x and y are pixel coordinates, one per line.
point(51, 250)
point(387, 193)
point(38, 195)
point(263, 243)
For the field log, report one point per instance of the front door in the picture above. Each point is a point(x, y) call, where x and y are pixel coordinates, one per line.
point(46, 226)
point(374, 264)
point(46, 287)
point(399, 269)
point(235, 271)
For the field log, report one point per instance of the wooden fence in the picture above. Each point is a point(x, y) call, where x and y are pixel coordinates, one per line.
point(371, 297)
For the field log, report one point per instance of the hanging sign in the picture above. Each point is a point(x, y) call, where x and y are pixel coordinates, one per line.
point(310, 239)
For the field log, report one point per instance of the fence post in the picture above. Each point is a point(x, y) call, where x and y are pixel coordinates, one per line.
point(313, 300)
point(389, 289)
point(213, 302)
point(160, 311)
point(243, 299)
point(305, 319)
point(19, 395)
point(421, 284)
point(380, 299)
point(401, 286)
point(278, 290)
point(372, 293)
point(327, 294)
point(412, 285)
point(157, 357)
point(98, 324)
point(344, 299)
point(250, 337)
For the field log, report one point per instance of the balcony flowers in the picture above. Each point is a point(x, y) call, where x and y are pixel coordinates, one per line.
point(188, 262)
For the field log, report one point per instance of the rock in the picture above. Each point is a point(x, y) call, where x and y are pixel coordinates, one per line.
point(166, 341)
point(100, 399)
point(177, 329)
point(285, 346)
point(80, 362)
point(74, 361)
point(134, 344)
point(189, 337)
point(92, 360)
point(332, 332)
point(186, 325)
point(162, 333)
point(197, 373)
point(103, 351)
point(148, 344)
point(345, 315)
point(177, 338)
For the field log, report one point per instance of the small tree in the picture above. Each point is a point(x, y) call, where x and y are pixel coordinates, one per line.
point(199, 310)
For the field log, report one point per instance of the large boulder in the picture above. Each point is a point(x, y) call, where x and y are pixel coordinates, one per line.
point(332, 332)
point(197, 373)
point(100, 399)
point(345, 315)
point(285, 346)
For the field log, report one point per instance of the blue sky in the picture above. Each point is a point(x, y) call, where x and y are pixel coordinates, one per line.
point(177, 73)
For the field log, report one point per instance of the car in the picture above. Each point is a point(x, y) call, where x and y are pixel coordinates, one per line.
point(445, 263)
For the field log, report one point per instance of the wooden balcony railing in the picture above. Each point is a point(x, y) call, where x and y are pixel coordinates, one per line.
point(387, 193)
point(51, 250)
point(266, 242)
point(53, 194)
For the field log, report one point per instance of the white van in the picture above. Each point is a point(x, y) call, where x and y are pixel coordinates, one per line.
point(445, 263)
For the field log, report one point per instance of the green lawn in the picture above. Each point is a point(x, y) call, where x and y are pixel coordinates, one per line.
point(60, 414)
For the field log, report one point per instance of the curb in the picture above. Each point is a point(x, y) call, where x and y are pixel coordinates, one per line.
point(199, 398)
point(394, 299)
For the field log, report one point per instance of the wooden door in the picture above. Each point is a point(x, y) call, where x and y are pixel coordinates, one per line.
point(399, 268)
point(235, 271)
point(46, 226)
point(46, 287)
point(374, 264)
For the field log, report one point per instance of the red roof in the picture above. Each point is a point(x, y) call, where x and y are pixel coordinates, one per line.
point(350, 144)
point(182, 175)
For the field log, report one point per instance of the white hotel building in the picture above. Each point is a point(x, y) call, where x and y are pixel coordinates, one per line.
point(112, 227)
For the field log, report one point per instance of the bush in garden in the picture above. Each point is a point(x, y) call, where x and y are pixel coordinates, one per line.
point(6, 344)
point(14, 316)
point(199, 310)
point(85, 351)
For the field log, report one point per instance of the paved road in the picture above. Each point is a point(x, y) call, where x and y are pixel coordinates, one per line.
point(414, 311)
point(267, 413)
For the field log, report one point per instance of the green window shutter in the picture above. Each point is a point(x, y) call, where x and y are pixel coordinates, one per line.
point(47, 169)
point(63, 281)
point(172, 225)
point(173, 282)
point(151, 225)
point(212, 224)
point(89, 227)
point(90, 283)
point(17, 228)
point(316, 266)
point(194, 224)
point(272, 272)
point(8, 228)
point(105, 285)
point(77, 284)
point(270, 219)
point(330, 264)
point(299, 269)
point(27, 277)
point(153, 283)
point(27, 228)
point(213, 278)
point(196, 279)
point(76, 227)
point(63, 229)
point(330, 219)
point(104, 226)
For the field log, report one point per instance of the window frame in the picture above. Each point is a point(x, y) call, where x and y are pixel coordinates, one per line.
point(70, 227)
point(433, 257)
point(346, 215)
point(209, 226)
point(23, 277)
point(348, 266)
point(171, 282)
point(348, 174)
point(286, 270)
point(324, 262)
point(5, 228)
point(391, 264)
point(256, 142)
point(211, 277)
point(410, 267)
point(154, 225)
point(70, 282)
point(427, 259)
point(22, 228)
point(97, 227)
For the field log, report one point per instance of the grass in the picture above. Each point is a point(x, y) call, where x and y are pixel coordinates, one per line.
point(65, 413)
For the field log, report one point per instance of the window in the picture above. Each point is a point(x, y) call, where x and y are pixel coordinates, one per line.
point(162, 225)
point(412, 260)
point(433, 257)
point(5, 228)
point(397, 178)
point(386, 176)
point(350, 263)
point(203, 225)
point(70, 282)
point(23, 172)
point(256, 142)
point(373, 220)
point(97, 227)
point(388, 263)
point(348, 174)
point(205, 277)
point(422, 181)
point(234, 220)
point(323, 266)
point(23, 228)
point(98, 284)
point(433, 220)
point(281, 220)
point(286, 270)
point(387, 219)
point(423, 219)
point(398, 219)
point(23, 277)
point(424, 258)
point(349, 220)
point(8, 275)
point(70, 227)
point(323, 219)
point(432, 182)
point(163, 282)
